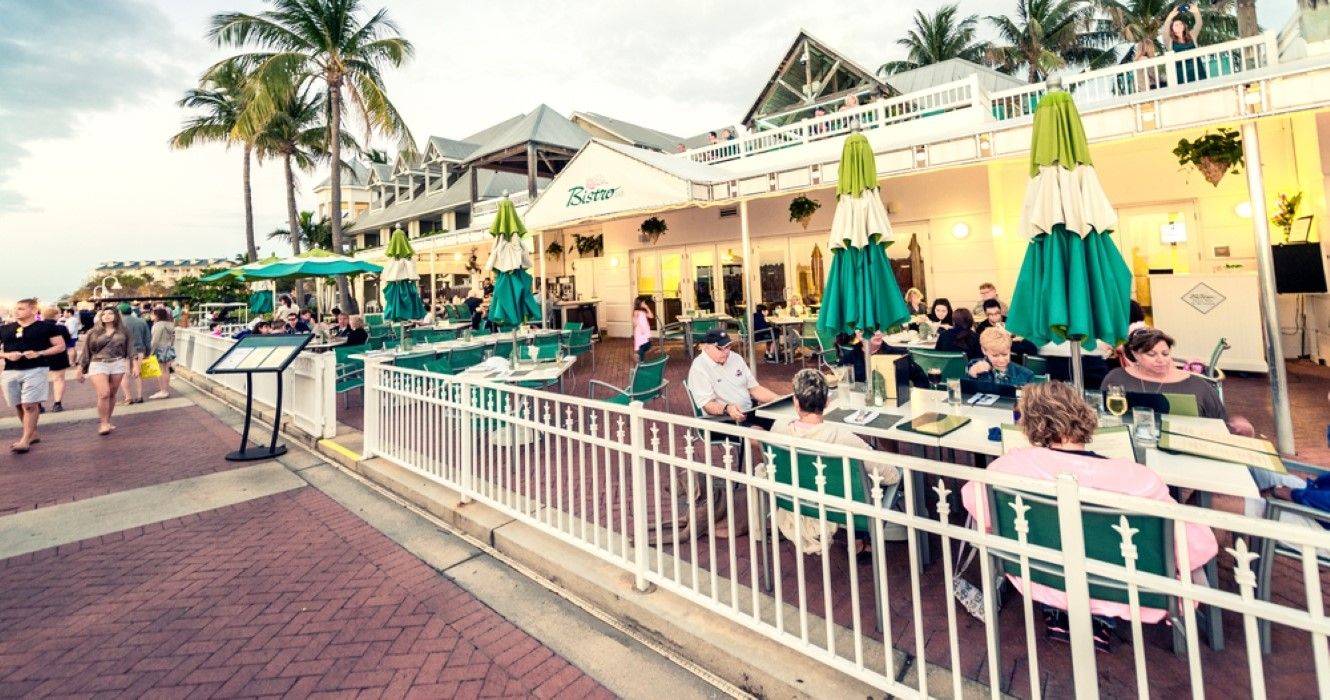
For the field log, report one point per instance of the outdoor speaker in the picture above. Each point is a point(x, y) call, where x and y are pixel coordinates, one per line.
point(1299, 268)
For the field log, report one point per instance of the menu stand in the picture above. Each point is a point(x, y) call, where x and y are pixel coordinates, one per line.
point(260, 354)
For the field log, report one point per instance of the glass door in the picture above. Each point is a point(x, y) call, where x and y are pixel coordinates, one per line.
point(659, 275)
point(702, 278)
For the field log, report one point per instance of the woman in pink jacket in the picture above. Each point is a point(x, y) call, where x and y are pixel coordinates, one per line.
point(1059, 423)
point(642, 327)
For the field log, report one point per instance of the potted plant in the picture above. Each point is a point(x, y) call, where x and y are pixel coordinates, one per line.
point(589, 246)
point(1287, 213)
point(554, 250)
point(652, 229)
point(802, 210)
point(1212, 154)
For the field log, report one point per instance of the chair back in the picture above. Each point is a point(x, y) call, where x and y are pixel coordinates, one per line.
point(373, 319)
point(1039, 379)
point(478, 332)
point(692, 403)
point(504, 348)
point(462, 358)
point(413, 361)
point(1035, 364)
point(1153, 541)
point(843, 478)
point(702, 326)
point(421, 335)
point(578, 341)
point(573, 326)
point(390, 343)
point(342, 351)
point(1212, 368)
point(952, 364)
point(547, 339)
point(648, 379)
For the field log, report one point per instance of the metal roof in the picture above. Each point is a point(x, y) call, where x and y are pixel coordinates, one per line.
point(450, 149)
point(357, 177)
point(543, 126)
point(181, 262)
point(637, 135)
point(951, 70)
point(490, 183)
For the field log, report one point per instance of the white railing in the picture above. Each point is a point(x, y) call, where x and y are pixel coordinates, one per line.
point(960, 94)
point(309, 384)
point(611, 479)
point(489, 206)
point(1188, 70)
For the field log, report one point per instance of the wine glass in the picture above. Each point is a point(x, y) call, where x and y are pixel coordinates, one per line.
point(1116, 401)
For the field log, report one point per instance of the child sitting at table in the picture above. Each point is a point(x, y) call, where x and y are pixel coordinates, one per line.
point(996, 366)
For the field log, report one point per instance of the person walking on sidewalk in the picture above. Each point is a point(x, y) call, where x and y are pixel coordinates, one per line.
point(26, 345)
point(163, 348)
point(140, 344)
point(105, 357)
point(58, 364)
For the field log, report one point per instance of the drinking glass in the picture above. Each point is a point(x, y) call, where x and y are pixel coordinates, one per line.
point(954, 392)
point(1116, 401)
point(844, 377)
point(935, 377)
point(1143, 418)
point(533, 352)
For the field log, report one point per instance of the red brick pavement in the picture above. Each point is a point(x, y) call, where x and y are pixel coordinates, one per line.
point(290, 594)
point(72, 462)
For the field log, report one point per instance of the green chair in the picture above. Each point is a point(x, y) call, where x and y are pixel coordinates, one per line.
point(416, 362)
point(673, 333)
point(465, 358)
point(1153, 541)
point(700, 328)
point(421, 335)
point(578, 343)
point(572, 326)
point(842, 481)
point(1039, 379)
point(480, 332)
point(349, 374)
point(1269, 549)
point(459, 313)
point(505, 349)
point(646, 382)
point(1035, 364)
point(712, 437)
point(373, 319)
point(951, 364)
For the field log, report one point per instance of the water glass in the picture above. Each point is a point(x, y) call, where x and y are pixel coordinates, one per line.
point(1146, 427)
point(844, 377)
point(954, 392)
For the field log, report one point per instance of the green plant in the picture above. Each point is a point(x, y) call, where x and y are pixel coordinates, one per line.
point(802, 209)
point(652, 229)
point(589, 246)
point(554, 250)
point(1212, 154)
point(1288, 212)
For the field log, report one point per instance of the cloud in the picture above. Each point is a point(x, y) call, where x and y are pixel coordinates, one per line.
point(63, 59)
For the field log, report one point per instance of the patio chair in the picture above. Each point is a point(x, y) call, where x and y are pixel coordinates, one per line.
point(578, 343)
point(349, 374)
point(713, 437)
point(951, 364)
point(1271, 550)
point(1211, 372)
point(373, 319)
point(573, 326)
point(858, 487)
point(1153, 541)
point(646, 382)
point(1035, 364)
point(672, 333)
point(464, 358)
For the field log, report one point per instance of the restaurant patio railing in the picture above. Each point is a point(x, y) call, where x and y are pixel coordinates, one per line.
point(1178, 72)
point(610, 480)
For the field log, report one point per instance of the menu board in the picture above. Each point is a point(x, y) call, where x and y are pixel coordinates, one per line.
point(261, 353)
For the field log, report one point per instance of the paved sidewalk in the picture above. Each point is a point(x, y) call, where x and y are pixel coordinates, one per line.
point(251, 583)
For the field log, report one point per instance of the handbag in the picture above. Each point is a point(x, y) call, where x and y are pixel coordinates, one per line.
point(150, 368)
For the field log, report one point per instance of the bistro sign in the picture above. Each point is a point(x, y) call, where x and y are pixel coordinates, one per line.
point(595, 190)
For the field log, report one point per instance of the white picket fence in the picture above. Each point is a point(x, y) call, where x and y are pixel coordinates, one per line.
point(610, 479)
point(309, 384)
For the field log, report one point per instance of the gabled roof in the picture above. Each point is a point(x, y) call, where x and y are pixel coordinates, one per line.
point(380, 173)
point(636, 135)
point(951, 70)
point(489, 183)
point(356, 176)
point(440, 148)
point(811, 71)
point(406, 163)
point(543, 126)
point(489, 132)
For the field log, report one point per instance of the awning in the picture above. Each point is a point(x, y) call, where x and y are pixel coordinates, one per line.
point(608, 180)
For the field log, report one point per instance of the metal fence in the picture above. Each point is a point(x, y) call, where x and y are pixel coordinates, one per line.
point(638, 488)
point(310, 397)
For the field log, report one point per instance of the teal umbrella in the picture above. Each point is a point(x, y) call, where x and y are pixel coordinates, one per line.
point(260, 302)
point(861, 292)
point(239, 272)
point(313, 263)
point(1073, 284)
point(513, 302)
point(401, 295)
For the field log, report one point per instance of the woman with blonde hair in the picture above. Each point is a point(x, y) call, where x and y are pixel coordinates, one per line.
point(163, 348)
point(58, 363)
point(914, 301)
point(104, 356)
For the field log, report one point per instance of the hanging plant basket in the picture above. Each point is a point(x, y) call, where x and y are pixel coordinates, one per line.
point(652, 229)
point(589, 246)
point(1212, 154)
point(554, 250)
point(802, 209)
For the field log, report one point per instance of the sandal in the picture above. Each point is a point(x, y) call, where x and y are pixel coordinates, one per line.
point(18, 450)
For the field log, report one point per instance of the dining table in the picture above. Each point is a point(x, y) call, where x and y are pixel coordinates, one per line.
point(689, 335)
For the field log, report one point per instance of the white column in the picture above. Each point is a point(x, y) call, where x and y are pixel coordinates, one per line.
point(544, 281)
point(1265, 267)
point(745, 241)
point(433, 280)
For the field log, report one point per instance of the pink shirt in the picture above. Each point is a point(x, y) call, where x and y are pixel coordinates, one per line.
point(1115, 475)
point(641, 328)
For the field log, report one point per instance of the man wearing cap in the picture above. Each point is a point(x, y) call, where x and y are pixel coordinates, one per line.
point(722, 384)
point(140, 342)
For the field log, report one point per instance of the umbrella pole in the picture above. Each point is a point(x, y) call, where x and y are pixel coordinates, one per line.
point(747, 286)
point(1077, 369)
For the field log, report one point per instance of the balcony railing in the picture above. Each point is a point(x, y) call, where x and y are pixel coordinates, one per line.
point(1173, 71)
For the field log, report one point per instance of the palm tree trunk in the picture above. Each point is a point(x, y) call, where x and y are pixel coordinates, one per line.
point(1247, 25)
point(251, 250)
point(348, 302)
point(293, 220)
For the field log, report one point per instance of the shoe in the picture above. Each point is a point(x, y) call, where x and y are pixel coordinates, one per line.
point(41, 408)
point(57, 407)
point(160, 395)
point(770, 359)
point(138, 400)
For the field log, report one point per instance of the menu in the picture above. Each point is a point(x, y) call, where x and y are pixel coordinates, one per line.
point(1223, 448)
point(1113, 442)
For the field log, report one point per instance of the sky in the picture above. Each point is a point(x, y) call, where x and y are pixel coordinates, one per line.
point(88, 92)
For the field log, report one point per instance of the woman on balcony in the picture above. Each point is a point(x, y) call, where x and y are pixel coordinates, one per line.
point(1178, 37)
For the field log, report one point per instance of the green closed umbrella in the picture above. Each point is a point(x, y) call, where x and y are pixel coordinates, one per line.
point(513, 302)
point(401, 294)
point(260, 302)
point(861, 293)
point(1073, 284)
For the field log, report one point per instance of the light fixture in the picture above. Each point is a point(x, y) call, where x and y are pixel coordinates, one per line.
point(960, 230)
point(920, 154)
point(614, 261)
point(997, 231)
point(1252, 95)
point(457, 257)
point(1243, 210)
point(985, 145)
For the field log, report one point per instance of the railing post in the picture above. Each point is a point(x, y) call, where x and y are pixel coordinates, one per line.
point(637, 439)
point(1077, 587)
point(373, 381)
point(468, 438)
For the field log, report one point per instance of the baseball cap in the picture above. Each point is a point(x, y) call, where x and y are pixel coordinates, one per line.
point(717, 337)
point(125, 307)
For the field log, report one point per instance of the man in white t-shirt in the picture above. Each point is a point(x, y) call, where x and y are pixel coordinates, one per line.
point(722, 384)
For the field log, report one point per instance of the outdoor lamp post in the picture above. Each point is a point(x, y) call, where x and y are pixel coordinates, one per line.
point(110, 282)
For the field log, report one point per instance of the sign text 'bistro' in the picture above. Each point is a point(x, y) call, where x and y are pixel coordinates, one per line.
point(595, 190)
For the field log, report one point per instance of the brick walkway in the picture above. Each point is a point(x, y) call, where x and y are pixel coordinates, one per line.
point(289, 594)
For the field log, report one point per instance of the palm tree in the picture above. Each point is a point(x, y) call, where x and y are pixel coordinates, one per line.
point(221, 96)
point(938, 38)
point(1143, 20)
point(313, 234)
point(324, 43)
point(1045, 35)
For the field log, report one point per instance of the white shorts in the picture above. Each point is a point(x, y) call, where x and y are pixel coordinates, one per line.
point(25, 385)
point(120, 366)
